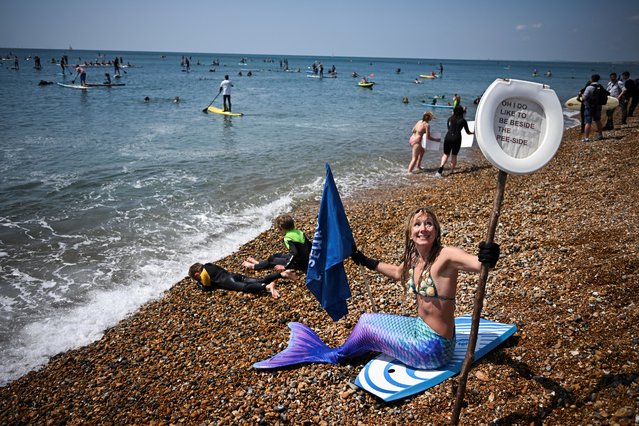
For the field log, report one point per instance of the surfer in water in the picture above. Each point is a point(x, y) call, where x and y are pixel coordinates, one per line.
point(426, 341)
point(210, 276)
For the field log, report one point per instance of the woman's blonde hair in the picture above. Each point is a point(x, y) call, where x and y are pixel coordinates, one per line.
point(410, 252)
point(428, 115)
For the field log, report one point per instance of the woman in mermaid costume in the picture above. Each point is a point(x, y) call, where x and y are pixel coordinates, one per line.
point(426, 341)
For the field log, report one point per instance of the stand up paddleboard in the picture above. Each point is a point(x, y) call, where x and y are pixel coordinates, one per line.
point(222, 112)
point(436, 105)
point(105, 85)
point(389, 379)
point(575, 104)
point(74, 86)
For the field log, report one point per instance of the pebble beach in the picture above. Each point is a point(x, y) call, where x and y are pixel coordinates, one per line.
point(568, 278)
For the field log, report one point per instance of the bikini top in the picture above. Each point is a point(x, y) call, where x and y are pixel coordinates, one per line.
point(426, 285)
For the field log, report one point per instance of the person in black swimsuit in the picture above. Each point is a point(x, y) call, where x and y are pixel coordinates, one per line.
point(453, 139)
point(210, 276)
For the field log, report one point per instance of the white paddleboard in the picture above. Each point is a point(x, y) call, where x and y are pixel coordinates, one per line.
point(389, 379)
point(74, 86)
point(575, 104)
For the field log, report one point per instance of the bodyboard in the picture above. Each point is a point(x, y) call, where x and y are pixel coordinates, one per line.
point(467, 140)
point(389, 379)
point(431, 145)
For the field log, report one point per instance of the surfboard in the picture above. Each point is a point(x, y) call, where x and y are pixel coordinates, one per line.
point(427, 76)
point(222, 112)
point(389, 379)
point(575, 104)
point(436, 105)
point(74, 86)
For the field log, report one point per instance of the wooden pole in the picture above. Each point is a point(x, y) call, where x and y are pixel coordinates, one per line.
point(368, 287)
point(479, 300)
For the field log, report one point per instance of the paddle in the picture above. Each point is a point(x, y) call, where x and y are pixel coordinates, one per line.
point(206, 110)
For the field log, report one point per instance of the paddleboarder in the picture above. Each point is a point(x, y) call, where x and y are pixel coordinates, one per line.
point(80, 71)
point(225, 89)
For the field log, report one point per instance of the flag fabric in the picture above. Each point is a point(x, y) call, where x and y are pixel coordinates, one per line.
point(332, 243)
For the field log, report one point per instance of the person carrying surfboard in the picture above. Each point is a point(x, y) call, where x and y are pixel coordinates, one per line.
point(426, 341)
point(210, 276)
point(225, 89)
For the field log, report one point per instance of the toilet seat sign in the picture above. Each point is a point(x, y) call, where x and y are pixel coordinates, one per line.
point(519, 125)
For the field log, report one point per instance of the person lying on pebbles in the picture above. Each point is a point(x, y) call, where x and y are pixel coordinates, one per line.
point(210, 276)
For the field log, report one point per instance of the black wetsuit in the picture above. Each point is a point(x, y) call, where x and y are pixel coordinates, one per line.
point(221, 278)
point(296, 258)
point(453, 139)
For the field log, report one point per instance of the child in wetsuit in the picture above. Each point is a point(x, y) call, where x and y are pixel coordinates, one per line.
point(299, 249)
point(211, 276)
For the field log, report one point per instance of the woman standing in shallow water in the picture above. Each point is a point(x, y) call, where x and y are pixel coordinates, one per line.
point(421, 128)
point(425, 341)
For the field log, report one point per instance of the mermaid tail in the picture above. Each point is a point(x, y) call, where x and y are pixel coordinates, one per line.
point(409, 339)
point(303, 346)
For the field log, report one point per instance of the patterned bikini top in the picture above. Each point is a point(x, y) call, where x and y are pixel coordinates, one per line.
point(426, 285)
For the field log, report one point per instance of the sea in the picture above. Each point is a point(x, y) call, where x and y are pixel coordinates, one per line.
point(106, 199)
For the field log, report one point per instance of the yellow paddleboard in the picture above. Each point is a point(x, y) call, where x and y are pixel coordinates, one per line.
point(222, 112)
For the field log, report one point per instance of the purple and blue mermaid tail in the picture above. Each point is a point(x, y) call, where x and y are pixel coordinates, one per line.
point(408, 339)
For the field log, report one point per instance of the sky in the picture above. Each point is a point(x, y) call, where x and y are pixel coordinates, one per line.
point(565, 30)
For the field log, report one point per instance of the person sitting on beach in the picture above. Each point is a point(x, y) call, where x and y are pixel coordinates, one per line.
point(299, 249)
point(210, 276)
point(425, 341)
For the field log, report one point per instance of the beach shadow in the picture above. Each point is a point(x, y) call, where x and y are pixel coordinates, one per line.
point(471, 169)
point(561, 396)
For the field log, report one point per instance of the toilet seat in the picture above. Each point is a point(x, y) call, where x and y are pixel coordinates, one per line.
point(519, 125)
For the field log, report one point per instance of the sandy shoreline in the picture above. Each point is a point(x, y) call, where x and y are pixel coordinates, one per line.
point(568, 279)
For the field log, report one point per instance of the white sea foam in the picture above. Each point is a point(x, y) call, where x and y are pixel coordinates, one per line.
point(59, 330)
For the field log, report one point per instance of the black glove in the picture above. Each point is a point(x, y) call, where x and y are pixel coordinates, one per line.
point(359, 259)
point(488, 253)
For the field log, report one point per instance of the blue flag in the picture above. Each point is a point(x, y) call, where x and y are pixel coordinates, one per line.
point(332, 243)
